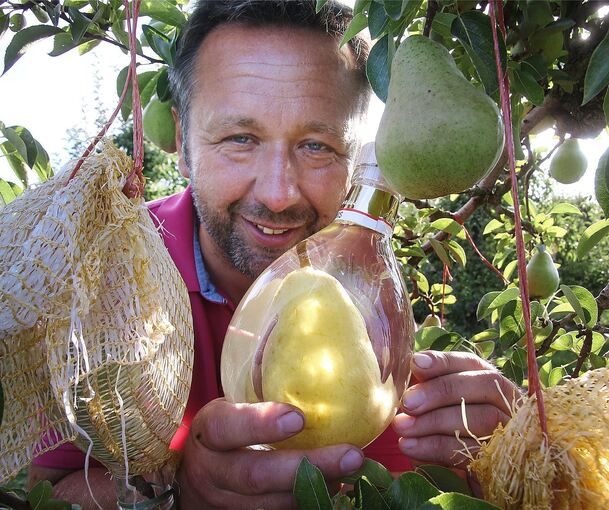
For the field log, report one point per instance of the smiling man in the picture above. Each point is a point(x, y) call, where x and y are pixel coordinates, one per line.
point(268, 108)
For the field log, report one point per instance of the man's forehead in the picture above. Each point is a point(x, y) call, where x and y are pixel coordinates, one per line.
point(279, 46)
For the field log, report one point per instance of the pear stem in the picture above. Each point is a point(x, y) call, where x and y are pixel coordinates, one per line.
point(504, 93)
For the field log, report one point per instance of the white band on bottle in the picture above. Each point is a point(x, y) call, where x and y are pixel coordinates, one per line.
point(365, 220)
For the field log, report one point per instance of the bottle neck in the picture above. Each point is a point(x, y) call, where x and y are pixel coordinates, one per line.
point(370, 207)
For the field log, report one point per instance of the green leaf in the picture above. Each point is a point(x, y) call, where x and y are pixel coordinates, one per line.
point(159, 43)
point(394, 8)
point(573, 301)
point(15, 161)
point(7, 195)
point(440, 251)
point(606, 107)
point(565, 208)
point(15, 140)
point(377, 67)
point(162, 85)
point(505, 297)
point(525, 84)
point(509, 269)
point(588, 304)
point(483, 310)
point(18, 44)
point(62, 43)
point(375, 472)
point(564, 342)
point(40, 494)
point(319, 5)
point(592, 236)
point(368, 496)
point(485, 349)
point(447, 225)
point(442, 23)
point(597, 74)
point(598, 341)
point(164, 11)
point(377, 20)
point(457, 252)
point(601, 181)
point(358, 23)
point(143, 81)
point(473, 29)
point(42, 165)
point(80, 24)
point(30, 144)
point(444, 479)
point(424, 338)
point(487, 334)
point(493, 226)
point(87, 46)
point(310, 488)
point(555, 376)
point(409, 492)
point(455, 501)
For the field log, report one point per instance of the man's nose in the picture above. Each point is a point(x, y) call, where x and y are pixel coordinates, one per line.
point(277, 183)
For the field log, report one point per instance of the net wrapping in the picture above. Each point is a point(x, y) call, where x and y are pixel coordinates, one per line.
point(95, 323)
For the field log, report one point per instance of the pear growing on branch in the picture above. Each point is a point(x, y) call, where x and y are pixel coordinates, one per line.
point(159, 126)
point(439, 134)
point(542, 274)
point(569, 162)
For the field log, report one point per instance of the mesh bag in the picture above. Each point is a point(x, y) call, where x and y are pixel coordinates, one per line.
point(96, 340)
point(518, 471)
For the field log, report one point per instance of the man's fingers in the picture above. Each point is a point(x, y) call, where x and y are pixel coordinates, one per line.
point(223, 426)
point(430, 364)
point(481, 421)
point(444, 450)
point(475, 387)
point(258, 472)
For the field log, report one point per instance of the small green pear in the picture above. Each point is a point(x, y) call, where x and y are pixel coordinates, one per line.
point(438, 134)
point(542, 275)
point(601, 183)
point(159, 126)
point(431, 320)
point(569, 162)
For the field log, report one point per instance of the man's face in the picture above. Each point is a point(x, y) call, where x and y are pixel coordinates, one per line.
point(271, 132)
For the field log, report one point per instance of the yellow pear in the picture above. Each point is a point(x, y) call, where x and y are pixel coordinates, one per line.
point(319, 358)
point(431, 320)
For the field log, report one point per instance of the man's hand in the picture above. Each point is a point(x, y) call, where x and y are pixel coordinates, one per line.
point(433, 406)
point(217, 471)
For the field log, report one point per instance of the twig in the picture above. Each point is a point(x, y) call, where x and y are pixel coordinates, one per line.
point(432, 8)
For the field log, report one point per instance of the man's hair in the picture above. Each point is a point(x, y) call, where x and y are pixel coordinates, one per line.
point(333, 19)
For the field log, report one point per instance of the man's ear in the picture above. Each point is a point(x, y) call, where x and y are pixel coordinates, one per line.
point(182, 166)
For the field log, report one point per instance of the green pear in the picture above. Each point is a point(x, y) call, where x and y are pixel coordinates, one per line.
point(542, 275)
point(601, 183)
point(319, 358)
point(569, 162)
point(431, 320)
point(159, 126)
point(438, 134)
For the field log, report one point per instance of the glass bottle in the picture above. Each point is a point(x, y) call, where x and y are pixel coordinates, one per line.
point(328, 326)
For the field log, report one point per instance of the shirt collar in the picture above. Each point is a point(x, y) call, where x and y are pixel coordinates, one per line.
point(207, 288)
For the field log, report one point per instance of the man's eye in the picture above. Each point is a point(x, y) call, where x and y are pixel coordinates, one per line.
point(317, 146)
point(240, 139)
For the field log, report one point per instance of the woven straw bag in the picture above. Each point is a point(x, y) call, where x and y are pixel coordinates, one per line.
point(96, 339)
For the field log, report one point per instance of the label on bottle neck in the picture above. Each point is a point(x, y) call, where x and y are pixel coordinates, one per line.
point(370, 207)
point(365, 220)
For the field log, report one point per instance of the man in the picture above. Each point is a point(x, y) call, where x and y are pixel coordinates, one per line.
point(268, 107)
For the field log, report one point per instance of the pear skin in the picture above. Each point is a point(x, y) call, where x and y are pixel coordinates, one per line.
point(542, 275)
point(439, 134)
point(569, 163)
point(319, 358)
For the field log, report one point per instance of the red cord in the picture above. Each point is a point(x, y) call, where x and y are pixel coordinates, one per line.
point(504, 93)
point(134, 186)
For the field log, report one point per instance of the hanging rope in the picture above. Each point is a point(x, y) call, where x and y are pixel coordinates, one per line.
point(504, 94)
point(134, 186)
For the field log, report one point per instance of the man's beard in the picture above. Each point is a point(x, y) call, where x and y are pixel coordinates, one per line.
point(249, 261)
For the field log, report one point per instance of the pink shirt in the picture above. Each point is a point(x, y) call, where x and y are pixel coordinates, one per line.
point(212, 312)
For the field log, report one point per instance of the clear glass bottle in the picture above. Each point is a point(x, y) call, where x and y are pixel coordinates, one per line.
point(328, 326)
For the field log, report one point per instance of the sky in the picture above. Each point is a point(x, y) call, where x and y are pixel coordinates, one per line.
point(50, 95)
